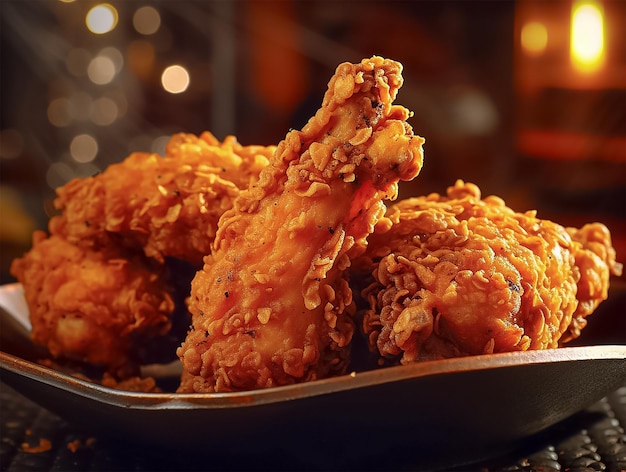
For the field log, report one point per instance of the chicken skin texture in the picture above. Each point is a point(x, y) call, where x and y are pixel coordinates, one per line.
point(92, 306)
point(164, 206)
point(105, 271)
point(594, 256)
point(459, 275)
point(272, 305)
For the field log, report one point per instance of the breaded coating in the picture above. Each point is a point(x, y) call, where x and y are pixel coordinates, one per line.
point(595, 259)
point(165, 206)
point(92, 306)
point(272, 305)
point(459, 275)
point(96, 287)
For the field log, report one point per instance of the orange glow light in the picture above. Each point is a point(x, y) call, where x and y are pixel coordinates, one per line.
point(534, 38)
point(587, 35)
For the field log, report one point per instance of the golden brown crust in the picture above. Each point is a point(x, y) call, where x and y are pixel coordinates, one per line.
point(457, 275)
point(595, 258)
point(89, 306)
point(278, 230)
point(272, 305)
point(165, 206)
point(97, 283)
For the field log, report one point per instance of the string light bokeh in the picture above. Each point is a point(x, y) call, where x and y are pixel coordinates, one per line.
point(94, 70)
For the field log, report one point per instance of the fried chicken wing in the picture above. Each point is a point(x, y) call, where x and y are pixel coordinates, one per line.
point(92, 306)
point(165, 206)
point(272, 305)
point(456, 275)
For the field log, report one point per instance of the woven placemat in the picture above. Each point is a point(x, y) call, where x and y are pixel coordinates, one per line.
point(33, 439)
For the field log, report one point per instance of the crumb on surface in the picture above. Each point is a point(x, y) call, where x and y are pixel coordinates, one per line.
point(43, 446)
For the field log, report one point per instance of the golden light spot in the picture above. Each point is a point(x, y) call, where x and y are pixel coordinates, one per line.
point(101, 18)
point(587, 35)
point(175, 79)
point(534, 38)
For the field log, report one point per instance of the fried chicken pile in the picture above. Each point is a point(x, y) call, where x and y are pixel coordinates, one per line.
point(99, 283)
point(266, 251)
point(272, 305)
point(459, 275)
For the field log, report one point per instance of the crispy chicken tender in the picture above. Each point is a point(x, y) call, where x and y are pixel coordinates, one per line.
point(92, 306)
point(272, 305)
point(167, 206)
point(458, 275)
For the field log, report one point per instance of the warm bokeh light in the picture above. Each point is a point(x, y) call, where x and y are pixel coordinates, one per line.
point(534, 38)
point(140, 55)
point(175, 79)
point(146, 20)
point(59, 112)
point(101, 70)
point(79, 105)
point(104, 111)
point(587, 35)
point(83, 148)
point(115, 55)
point(101, 18)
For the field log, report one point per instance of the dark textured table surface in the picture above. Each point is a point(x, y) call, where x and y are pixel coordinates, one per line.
point(33, 439)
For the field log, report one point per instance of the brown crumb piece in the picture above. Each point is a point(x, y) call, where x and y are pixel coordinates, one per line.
point(43, 446)
point(74, 445)
point(77, 444)
point(133, 384)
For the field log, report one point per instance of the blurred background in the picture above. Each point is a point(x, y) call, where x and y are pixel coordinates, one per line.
point(525, 98)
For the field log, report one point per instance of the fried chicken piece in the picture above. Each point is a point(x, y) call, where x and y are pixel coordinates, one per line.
point(92, 306)
point(272, 305)
point(458, 275)
point(167, 206)
point(93, 294)
point(594, 256)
